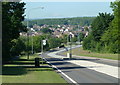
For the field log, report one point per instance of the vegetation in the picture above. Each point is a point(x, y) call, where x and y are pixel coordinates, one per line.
point(46, 30)
point(12, 17)
point(88, 53)
point(105, 33)
point(82, 21)
point(24, 71)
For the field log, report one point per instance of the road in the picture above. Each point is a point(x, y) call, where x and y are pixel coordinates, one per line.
point(83, 71)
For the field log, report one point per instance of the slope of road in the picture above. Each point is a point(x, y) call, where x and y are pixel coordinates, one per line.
point(54, 54)
point(83, 71)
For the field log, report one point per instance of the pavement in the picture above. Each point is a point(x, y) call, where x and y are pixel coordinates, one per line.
point(83, 70)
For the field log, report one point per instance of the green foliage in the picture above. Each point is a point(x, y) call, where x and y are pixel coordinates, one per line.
point(80, 36)
point(36, 41)
point(87, 43)
point(18, 47)
point(12, 16)
point(105, 34)
point(54, 42)
point(111, 36)
point(46, 30)
point(63, 21)
point(74, 39)
point(64, 39)
point(100, 24)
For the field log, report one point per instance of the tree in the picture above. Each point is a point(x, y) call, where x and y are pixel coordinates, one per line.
point(111, 36)
point(18, 47)
point(12, 16)
point(98, 27)
point(54, 42)
point(46, 30)
point(105, 33)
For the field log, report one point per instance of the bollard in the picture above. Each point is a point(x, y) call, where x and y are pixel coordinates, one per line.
point(37, 64)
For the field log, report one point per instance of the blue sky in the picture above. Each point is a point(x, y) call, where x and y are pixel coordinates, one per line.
point(65, 9)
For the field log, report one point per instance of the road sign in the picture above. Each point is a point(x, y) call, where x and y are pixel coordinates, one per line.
point(44, 42)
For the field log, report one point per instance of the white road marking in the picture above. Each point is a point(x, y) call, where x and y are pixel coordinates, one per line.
point(102, 68)
point(62, 73)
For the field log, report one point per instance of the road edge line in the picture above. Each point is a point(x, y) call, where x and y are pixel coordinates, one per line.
point(53, 66)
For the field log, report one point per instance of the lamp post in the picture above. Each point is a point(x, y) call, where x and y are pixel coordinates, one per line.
point(70, 36)
point(78, 35)
point(32, 40)
point(28, 30)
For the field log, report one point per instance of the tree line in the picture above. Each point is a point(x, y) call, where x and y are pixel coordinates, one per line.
point(104, 36)
point(82, 21)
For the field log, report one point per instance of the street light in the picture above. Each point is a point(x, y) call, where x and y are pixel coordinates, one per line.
point(28, 30)
point(70, 36)
point(78, 35)
point(32, 39)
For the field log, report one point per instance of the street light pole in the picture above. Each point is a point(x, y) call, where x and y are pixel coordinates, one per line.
point(32, 45)
point(70, 46)
point(28, 32)
point(78, 35)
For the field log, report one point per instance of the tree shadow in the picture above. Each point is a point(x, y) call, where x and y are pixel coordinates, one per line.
point(10, 70)
point(21, 67)
point(84, 59)
point(72, 67)
point(60, 63)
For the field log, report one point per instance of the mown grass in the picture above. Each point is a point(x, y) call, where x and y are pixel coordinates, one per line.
point(81, 52)
point(24, 71)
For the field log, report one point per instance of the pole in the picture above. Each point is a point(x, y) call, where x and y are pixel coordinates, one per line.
point(70, 46)
point(28, 33)
point(32, 44)
point(42, 51)
point(78, 35)
point(27, 45)
point(28, 38)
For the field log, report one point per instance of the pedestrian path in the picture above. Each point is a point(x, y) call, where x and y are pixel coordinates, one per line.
point(102, 68)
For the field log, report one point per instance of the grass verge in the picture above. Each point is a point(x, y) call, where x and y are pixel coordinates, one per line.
point(81, 52)
point(24, 71)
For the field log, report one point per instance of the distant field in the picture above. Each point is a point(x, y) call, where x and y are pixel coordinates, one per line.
point(81, 52)
point(24, 71)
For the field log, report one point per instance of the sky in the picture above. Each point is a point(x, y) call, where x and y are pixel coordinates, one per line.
point(64, 9)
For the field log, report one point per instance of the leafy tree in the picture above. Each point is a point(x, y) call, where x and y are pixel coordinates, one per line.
point(80, 36)
point(46, 30)
point(18, 47)
point(111, 36)
point(99, 26)
point(12, 16)
point(104, 36)
point(54, 42)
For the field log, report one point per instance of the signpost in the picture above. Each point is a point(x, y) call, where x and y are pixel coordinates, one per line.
point(69, 39)
point(43, 43)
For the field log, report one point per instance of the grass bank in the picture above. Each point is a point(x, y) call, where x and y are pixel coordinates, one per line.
point(81, 52)
point(24, 71)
